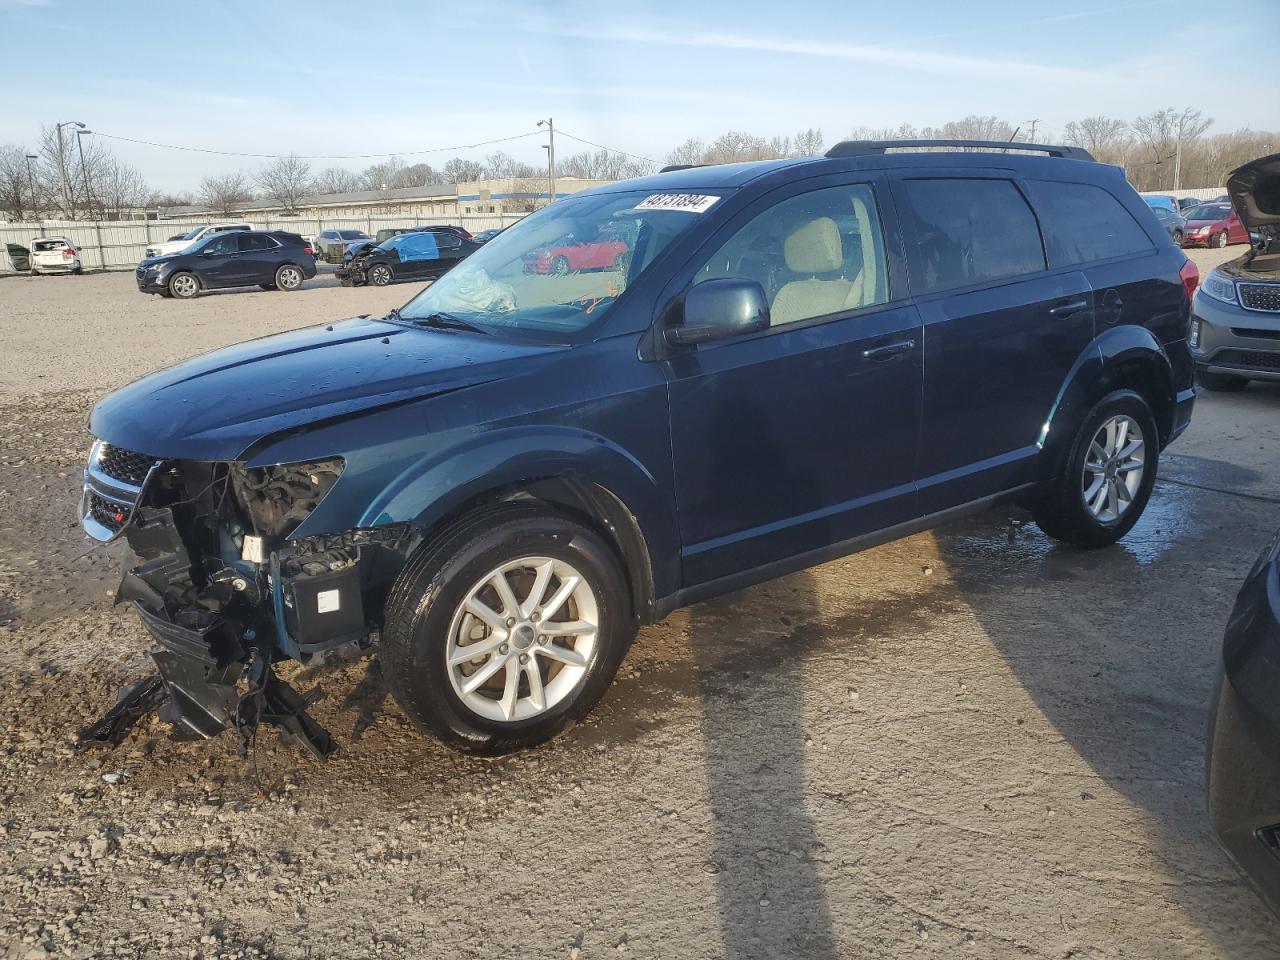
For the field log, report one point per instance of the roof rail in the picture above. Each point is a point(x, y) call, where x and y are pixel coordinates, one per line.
point(863, 148)
point(680, 166)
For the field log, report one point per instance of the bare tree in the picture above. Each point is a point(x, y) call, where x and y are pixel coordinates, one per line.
point(223, 194)
point(808, 143)
point(336, 180)
point(689, 152)
point(1107, 138)
point(1162, 135)
point(458, 170)
point(17, 201)
point(500, 166)
point(383, 176)
point(603, 165)
point(286, 181)
point(117, 188)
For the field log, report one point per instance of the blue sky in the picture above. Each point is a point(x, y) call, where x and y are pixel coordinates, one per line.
point(365, 78)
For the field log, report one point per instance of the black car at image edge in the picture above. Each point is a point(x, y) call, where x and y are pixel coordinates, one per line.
point(1244, 731)
point(270, 259)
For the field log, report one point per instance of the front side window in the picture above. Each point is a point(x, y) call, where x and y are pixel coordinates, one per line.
point(815, 254)
point(561, 269)
point(969, 232)
point(1083, 223)
point(220, 244)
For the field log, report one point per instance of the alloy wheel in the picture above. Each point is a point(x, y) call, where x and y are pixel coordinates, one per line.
point(289, 278)
point(185, 285)
point(1113, 468)
point(522, 639)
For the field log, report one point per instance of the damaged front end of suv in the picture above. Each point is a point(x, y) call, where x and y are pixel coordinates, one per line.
point(225, 593)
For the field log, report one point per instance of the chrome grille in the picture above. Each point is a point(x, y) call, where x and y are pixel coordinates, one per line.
point(122, 464)
point(1263, 297)
point(114, 480)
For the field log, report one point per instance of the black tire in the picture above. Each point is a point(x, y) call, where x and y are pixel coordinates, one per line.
point(288, 278)
point(380, 275)
point(1177, 237)
point(435, 582)
point(560, 266)
point(1221, 382)
point(184, 285)
point(1061, 511)
point(1220, 240)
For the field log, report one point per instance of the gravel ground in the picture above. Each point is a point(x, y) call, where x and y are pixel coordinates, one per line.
point(968, 743)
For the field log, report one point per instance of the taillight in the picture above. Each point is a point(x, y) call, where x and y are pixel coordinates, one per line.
point(68, 255)
point(309, 251)
point(1190, 276)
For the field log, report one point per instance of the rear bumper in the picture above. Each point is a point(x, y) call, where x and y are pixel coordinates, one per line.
point(1244, 735)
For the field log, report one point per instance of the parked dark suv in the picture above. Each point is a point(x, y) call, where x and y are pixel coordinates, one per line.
point(272, 260)
point(795, 359)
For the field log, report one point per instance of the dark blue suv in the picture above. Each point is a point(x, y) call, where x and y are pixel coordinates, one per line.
point(791, 360)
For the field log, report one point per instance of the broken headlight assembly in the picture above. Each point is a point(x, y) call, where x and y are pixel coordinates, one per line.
point(225, 593)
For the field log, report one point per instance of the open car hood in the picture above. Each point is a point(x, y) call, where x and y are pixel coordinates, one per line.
point(1255, 192)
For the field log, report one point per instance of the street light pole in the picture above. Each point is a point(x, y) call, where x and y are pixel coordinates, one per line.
point(551, 155)
point(84, 172)
point(62, 167)
point(31, 181)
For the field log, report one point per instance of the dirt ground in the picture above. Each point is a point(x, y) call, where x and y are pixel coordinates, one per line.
point(969, 743)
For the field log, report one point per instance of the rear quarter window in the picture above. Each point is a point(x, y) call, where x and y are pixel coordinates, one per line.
point(969, 232)
point(1083, 223)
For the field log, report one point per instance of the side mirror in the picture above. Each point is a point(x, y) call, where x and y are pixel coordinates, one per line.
point(716, 309)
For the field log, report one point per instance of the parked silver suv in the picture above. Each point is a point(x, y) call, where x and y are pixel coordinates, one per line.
point(1235, 318)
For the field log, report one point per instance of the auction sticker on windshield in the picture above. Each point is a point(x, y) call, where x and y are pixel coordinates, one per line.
point(688, 202)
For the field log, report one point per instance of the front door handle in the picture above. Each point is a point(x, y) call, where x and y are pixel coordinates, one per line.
point(887, 350)
point(1067, 309)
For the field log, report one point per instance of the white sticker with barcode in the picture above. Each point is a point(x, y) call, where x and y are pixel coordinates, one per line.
point(327, 601)
point(686, 202)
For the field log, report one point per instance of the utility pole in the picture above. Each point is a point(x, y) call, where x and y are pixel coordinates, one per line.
point(1033, 128)
point(84, 172)
point(31, 181)
point(1177, 156)
point(551, 154)
point(62, 167)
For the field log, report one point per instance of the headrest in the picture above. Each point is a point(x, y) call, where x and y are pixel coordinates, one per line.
point(814, 247)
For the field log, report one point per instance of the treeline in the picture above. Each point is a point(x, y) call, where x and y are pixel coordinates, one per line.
point(1153, 149)
point(70, 177)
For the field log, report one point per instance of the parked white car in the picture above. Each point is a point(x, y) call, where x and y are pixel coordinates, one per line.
point(178, 244)
point(54, 255)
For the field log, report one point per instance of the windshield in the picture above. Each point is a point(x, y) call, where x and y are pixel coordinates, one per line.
point(1207, 213)
point(562, 268)
point(192, 234)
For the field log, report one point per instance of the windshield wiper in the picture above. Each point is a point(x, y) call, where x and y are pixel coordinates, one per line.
point(445, 321)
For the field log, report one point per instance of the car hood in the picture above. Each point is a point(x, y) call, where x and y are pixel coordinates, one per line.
point(1254, 190)
point(163, 258)
point(215, 406)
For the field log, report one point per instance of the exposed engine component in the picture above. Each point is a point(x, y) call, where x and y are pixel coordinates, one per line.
point(225, 595)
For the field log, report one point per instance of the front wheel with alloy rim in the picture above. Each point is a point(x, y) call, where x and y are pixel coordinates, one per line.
point(380, 275)
point(1220, 240)
point(1106, 479)
point(506, 628)
point(184, 286)
point(288, 278)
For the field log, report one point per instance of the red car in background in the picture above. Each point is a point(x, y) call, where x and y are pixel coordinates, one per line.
point(1213, 225)
point(572, 255)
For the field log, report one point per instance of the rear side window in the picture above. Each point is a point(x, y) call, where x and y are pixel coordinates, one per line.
point(1083, 223)
point(970, 231)
point(255, 241)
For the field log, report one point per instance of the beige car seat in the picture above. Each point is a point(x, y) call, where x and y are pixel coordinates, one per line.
point(815, 247)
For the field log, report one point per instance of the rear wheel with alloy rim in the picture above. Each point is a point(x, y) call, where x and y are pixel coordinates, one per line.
point(184, 286)
point(380, 275)
point(1106, 479)
point(507, 628)
point(288, 278)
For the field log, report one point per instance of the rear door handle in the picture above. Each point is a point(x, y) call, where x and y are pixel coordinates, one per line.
point(1068, 308)
point(887, 350)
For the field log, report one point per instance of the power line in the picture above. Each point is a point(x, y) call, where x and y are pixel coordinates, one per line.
point(592, 143)
point(323, 156)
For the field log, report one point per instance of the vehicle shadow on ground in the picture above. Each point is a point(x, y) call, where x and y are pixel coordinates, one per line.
point(772, 901)
point(1118, 648)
